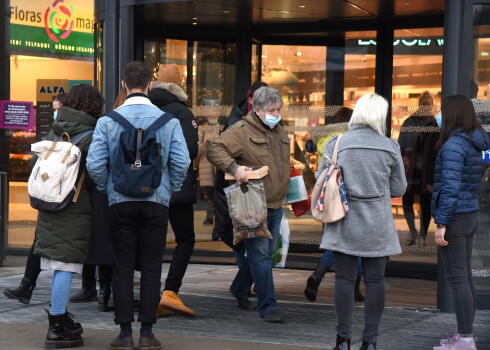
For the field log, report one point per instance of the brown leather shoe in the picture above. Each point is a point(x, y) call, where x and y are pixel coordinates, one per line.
point(150, 343)
point(119, 343)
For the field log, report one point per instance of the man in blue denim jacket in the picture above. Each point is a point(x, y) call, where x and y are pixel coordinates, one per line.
point(139, 225)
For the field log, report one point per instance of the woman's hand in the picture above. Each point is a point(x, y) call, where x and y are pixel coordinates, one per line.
point(439, 237)
point(241, 174)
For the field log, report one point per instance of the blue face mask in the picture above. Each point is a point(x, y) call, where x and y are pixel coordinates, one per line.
point(55, 115)
point(271, 121)
point(439, 120)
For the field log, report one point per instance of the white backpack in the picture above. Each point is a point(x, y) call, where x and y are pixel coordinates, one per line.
point(51, 185)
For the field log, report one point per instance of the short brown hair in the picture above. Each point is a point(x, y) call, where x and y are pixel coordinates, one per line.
point(85, 98)
point(343, 115)
point(137, 75)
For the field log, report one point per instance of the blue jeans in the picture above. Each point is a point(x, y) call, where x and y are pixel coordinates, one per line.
point(60, 291)
point(259, 260)
point(243, 279)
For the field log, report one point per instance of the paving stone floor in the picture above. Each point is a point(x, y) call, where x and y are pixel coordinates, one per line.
point(205, 289)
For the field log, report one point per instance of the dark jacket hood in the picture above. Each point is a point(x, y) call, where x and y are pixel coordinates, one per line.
point(73, 121)
point(164, 93)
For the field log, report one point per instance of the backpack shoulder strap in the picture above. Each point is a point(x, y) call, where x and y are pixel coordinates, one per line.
point(75, 139)
point(78, 137)
point(161, 121)
point(120, 119)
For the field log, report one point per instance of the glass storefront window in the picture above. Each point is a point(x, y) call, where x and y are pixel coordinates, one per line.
point(417, 79)
point(479, 92)
point(211, 91)
point(51, 50)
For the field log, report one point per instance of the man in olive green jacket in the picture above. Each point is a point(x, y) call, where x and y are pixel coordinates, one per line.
point(258, 140)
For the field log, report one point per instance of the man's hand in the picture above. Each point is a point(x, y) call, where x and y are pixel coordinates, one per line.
point(241, 174)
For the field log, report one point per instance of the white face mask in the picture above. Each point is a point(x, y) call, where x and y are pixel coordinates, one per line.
point(212, 121)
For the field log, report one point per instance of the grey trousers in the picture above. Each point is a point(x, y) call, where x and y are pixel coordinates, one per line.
point(374, 280)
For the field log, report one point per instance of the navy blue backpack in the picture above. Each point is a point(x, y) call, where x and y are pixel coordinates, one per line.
point(138, 168)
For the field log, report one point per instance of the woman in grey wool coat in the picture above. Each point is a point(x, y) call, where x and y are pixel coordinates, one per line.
point(373, 173)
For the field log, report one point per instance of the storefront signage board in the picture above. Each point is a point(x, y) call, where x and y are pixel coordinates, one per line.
point(16, 115)
point(47, 89)
point(72, 83)
point(52, 27)
point(486, 155)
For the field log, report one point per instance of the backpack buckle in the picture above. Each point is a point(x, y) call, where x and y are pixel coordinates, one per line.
point(138, 163)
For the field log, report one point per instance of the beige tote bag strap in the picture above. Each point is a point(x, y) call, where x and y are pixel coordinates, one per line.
point(333, 160)
point(79, 187)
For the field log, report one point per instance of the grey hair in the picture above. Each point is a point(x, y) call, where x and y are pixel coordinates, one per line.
point(371, 110)
point(265, 97)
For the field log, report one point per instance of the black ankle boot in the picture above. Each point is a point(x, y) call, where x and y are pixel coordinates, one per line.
point(23, 292)
point(412, 238)
point(314, 281)
point(342, 343)
point(358, 297)
point(366, 346)
point(69, 323)
point(104, 296)
point(58, 336)
point(87, 293)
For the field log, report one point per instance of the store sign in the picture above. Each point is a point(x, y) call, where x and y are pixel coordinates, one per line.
point(16, 115)
point(52, 27)
point(486, 155)
point(48, 89)
point(405, 42)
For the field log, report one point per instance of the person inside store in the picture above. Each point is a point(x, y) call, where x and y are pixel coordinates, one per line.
point(320, 136)
point(208, 130)
point(414, 133)
point(455, 209)
point(62, 237)
point(168, 95)
point(368, 231)
point(138, 224)
point(58, 103)
point(259, 139)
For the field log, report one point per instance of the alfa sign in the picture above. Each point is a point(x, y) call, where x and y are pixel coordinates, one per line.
point(47, 89)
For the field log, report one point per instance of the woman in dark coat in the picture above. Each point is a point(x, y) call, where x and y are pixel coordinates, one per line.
point(456, 209)
point(418, 159)
point(62, 237)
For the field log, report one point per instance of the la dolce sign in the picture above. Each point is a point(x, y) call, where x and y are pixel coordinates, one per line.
point(405, 42)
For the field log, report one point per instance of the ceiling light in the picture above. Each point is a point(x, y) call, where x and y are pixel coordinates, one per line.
point(226, 11)
point(194, 23)
point(299, 53)
point(302, 6)
point(194, 18)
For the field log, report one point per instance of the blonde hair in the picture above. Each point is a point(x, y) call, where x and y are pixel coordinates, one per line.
point(371, 110)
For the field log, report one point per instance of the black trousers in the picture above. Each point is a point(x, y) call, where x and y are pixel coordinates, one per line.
point(181, 217)
point(425, 215)
point(139, 231)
